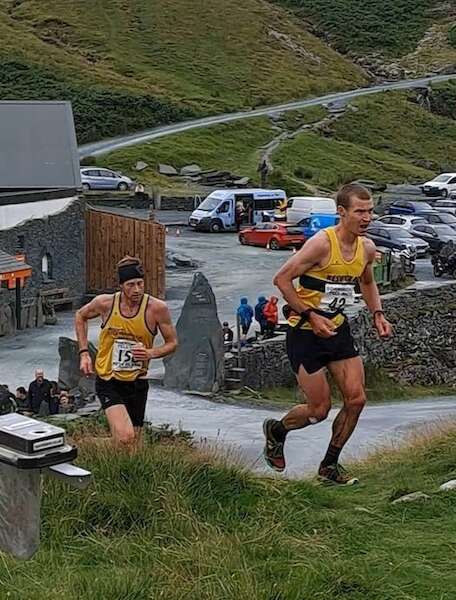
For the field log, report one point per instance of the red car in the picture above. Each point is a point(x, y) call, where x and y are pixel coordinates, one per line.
point(272, 235)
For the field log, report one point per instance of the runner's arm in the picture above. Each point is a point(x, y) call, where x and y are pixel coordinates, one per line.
point(168, 331)
point(370, 293)
point(97, 307)
point(310, 255)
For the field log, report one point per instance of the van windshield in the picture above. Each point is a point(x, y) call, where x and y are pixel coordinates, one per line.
point(210, 203)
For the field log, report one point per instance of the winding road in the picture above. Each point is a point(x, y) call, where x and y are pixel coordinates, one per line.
point(109, 145)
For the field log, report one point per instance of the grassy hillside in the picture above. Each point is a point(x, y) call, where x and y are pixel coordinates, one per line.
point(174, 523)
point(129, 64)
point(393, 27)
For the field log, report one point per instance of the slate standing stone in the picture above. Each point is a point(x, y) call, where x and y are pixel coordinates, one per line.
point(198, 363)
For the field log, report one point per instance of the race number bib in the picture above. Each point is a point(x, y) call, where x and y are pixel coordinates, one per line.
point(122, 356)
point(338, 295)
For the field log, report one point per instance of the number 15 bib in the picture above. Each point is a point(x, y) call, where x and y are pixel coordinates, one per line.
point(122, 356)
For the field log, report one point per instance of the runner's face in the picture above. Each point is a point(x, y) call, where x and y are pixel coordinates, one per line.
point(134, 290)
point(357, 216)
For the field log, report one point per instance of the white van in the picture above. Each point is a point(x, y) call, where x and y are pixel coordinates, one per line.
point(219, 210)
point(441, 185)
point(300, 207)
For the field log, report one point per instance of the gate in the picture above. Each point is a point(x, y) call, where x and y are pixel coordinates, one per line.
point(110, 237)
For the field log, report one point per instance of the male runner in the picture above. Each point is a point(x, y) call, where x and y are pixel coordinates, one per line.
point(130, 319)
point(328, 267)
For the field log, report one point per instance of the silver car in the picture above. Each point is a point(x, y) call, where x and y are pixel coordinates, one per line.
point(96, 178)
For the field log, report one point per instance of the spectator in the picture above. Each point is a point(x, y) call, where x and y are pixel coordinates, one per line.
point(259, 314)
point(245, 314)
point(228, 336)
point(65, 404)
point(54, 399)
point(39, 391)
point(239, 214)
point(7, 401)
point(21, 398)
point(271, 313)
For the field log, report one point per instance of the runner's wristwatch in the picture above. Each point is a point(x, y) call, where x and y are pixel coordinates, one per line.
point(305, 314)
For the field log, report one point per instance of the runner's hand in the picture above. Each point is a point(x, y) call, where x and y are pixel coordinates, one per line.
point(322, 326)
point(140, 352)
point(85, 364)
point(384, 327)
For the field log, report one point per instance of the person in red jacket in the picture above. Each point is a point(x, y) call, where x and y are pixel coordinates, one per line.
point(271, 313)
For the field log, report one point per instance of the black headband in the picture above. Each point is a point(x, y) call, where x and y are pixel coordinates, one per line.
point(127, 272)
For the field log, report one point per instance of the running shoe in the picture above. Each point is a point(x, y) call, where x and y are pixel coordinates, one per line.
point(336, 474)
point(273, 449)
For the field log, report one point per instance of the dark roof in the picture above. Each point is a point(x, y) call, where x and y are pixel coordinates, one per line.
point(9, 264)
point(38, 146)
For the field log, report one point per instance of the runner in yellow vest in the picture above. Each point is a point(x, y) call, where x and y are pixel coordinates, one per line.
point(130, 321)
point(328, 267)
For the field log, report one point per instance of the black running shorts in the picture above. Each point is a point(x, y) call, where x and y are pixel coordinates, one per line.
point(131, 394)
point(314, 352)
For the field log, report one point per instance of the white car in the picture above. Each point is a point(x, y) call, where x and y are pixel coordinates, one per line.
point(448, 206)
point(442, 185)
point(407, 221)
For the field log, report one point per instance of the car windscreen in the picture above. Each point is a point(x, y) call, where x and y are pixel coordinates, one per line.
point(447, 218)
point(210, 203)
point(444, 230)
point(399, 233)
point(442, 178)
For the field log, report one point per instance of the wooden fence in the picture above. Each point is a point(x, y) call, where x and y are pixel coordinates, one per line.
point(110, 237)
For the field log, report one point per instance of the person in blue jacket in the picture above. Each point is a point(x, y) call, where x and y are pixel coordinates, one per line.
point(245, 313)
point(259, 314)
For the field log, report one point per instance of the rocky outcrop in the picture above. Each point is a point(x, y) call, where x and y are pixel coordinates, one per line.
point(70, 377)
point(198, 364)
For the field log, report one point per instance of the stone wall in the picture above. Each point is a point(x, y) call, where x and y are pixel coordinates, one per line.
point(422, 350)
point(62, 238)
point(179, 202)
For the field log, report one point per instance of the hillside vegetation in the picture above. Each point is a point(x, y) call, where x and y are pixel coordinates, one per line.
point(176, 524)
point(131, 64)
point(393, 27)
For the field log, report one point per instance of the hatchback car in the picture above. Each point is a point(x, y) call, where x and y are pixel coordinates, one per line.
point(435, 235)
point(272, 235)
point(406, 207)
point(438, 218)
point(94, 178)
point(406, 221)
point(396, 238)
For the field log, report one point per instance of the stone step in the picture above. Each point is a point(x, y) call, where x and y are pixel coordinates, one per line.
point(239, 370)
point(232, 383)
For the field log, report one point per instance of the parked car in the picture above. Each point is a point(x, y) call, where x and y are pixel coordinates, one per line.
point(94, 178)
point(272, 235)
point(406, 207)
point(316, 222)
point(438, 218)
point(448, 206)
point(434, 235)
point(442, 185)
point(300, 207)
point(396, 238)
point(406, 221)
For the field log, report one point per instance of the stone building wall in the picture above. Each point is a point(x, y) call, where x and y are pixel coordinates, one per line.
point(422, 350)
point(61, 237)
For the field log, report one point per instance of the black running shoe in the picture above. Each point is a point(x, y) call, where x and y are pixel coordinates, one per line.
point(273, 449)
point(336, 474)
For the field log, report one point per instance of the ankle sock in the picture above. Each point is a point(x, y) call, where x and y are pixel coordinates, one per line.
point(279, 431)
point(331, 456)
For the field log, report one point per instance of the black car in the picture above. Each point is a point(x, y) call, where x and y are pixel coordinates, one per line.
point(396, 238)
point(434, 235)
point(439, 218)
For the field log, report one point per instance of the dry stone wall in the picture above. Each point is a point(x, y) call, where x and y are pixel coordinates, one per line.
point(422, 350)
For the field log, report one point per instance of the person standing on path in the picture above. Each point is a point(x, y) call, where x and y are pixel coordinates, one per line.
point(245, 314)
point(130, 322)
point(259, 314)
point(271, 313)
point(328, 267)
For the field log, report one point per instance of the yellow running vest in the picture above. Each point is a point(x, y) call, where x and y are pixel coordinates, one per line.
point(117, 337)
point(336, 271)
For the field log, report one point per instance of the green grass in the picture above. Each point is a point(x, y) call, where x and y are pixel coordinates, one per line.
point(393, 27)
point(174, 523)
point(129, 64)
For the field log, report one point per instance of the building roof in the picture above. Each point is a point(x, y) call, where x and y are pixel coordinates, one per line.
point(38, 146)
point(11, 268)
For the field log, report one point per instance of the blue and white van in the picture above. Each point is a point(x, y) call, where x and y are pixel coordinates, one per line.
point(220, 210)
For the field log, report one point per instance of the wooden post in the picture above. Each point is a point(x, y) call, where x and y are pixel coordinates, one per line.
point(18, 304)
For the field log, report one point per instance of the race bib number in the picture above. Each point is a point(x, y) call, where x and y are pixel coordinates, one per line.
point(338, 295)
point(122, 356)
